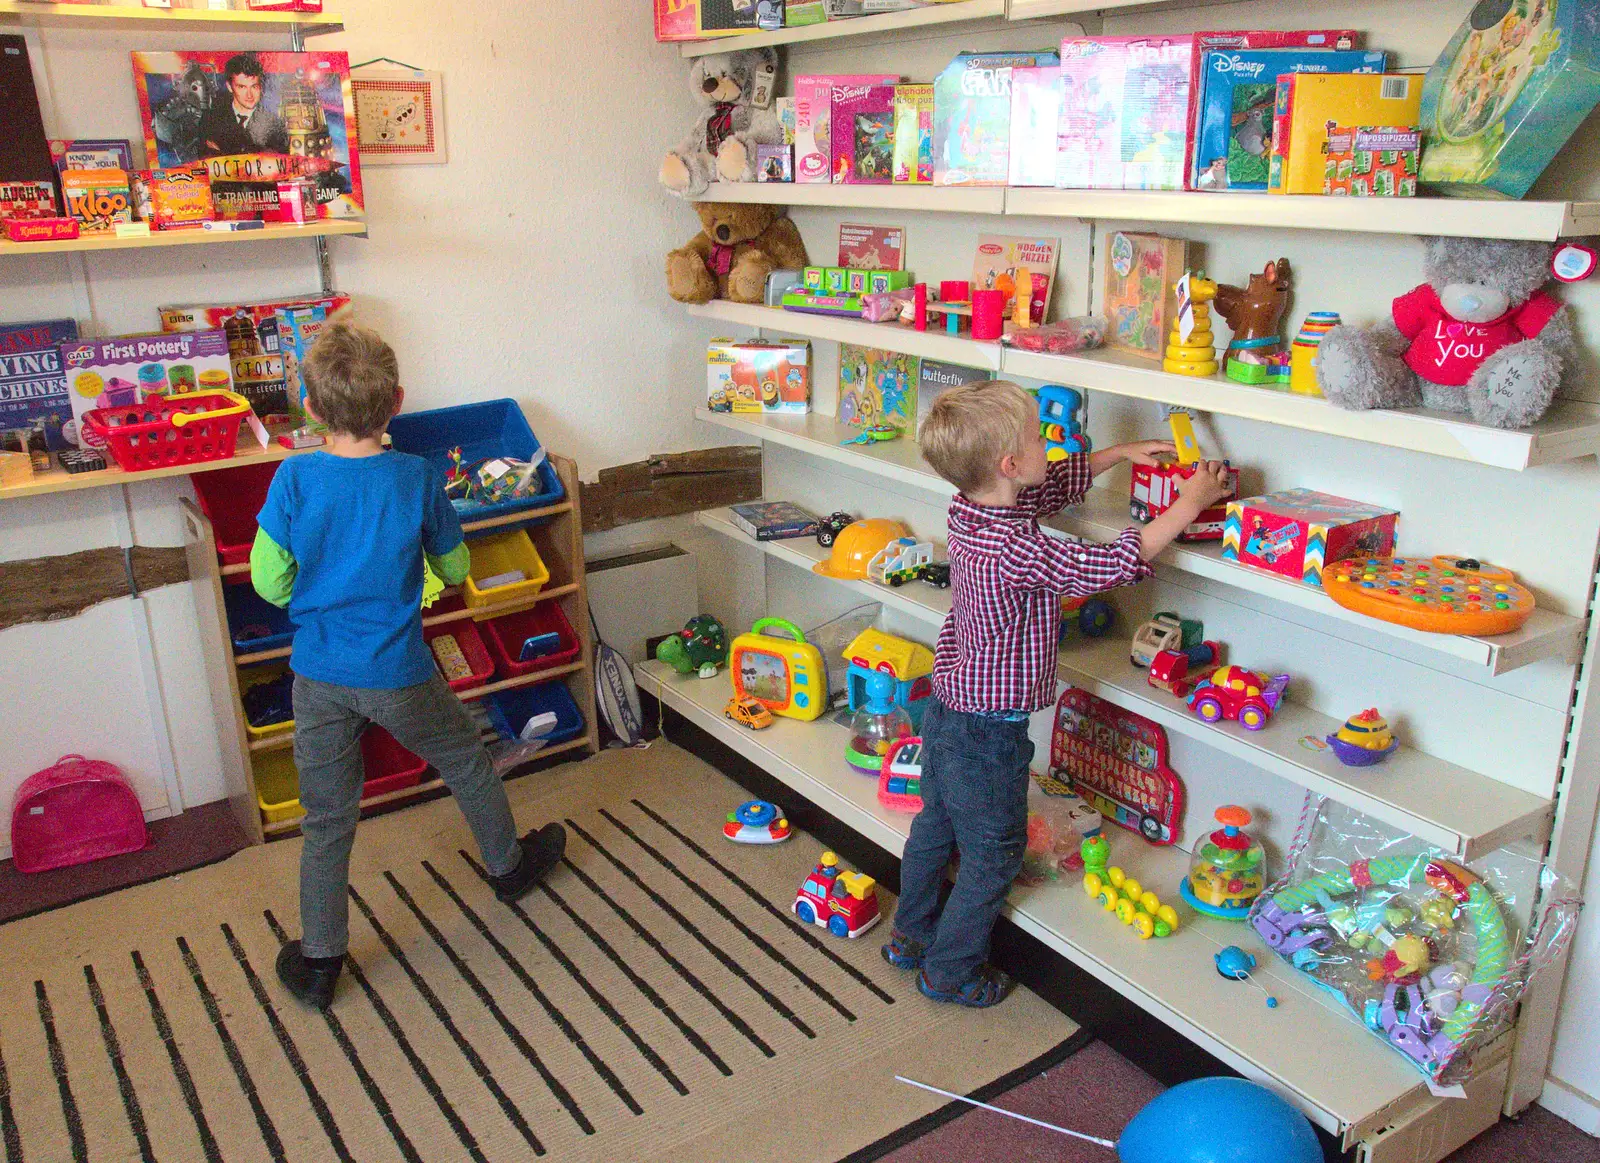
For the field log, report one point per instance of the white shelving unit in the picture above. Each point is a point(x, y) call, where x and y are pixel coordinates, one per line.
point(1457, 217)
point(1104, 515)
point(1568, 431)
point(964, 11)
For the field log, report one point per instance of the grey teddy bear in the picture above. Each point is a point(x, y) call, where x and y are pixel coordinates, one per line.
point(736, 89)
point(1480, 336)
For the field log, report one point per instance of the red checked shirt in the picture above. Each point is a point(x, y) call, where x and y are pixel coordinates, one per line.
point(997, 649)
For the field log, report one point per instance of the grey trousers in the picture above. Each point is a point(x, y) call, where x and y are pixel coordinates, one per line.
point(427, 719)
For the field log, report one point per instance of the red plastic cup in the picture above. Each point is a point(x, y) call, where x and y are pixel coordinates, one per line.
point(919, 299)
point(954, 291)
point(988, 314)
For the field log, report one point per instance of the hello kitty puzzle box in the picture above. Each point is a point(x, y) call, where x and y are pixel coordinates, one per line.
point(1124, 112)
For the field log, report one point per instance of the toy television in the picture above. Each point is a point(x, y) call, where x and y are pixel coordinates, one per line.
point(1298, 532)
point(785, 675)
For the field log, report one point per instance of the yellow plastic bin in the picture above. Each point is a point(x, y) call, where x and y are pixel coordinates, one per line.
point(253, 676)
point(277, 787)
point(499, 554)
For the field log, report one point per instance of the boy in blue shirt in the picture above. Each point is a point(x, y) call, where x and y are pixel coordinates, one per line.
point(341, 543)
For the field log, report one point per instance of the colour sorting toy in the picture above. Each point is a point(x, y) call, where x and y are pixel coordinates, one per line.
point(876, 724)
point(1365, 739)
point(1299, 532)
point(748, 712)
point(1061, 420)
point(844, 903)
point(1232, 692)
point(757, 822)
point(900, 776)
point(787, 676)
point(1303, 352)
point(1445, 595)
point(1254, 312)
point(1118, 893)
point(1228, 871)
point(1117, 761)
point(701, 647)
point(1191, 346)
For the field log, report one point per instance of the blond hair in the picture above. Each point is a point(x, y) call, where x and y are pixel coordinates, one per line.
point(971, 428)
point(352, 380)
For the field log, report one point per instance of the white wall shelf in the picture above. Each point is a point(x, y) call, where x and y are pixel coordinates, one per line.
point(272, 232)
point(126, 15)
point(1570, 430)
point(1104, 515)
point(965, 11)
point(1307, 1049)
point(1457, 217)
point(1460, 810)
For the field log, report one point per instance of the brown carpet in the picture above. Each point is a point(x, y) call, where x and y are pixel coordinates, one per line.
point(656, 1001)
point(197, 837)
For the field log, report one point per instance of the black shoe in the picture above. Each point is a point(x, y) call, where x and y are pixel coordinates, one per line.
point(541, 851)
point(310, 979)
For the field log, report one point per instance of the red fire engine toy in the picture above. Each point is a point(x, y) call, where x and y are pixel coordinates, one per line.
point(844, 903)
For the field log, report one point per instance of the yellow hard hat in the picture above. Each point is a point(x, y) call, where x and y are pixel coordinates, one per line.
point(857, 544)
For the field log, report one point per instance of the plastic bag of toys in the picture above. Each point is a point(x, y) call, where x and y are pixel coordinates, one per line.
point(1056, 831)
point(492, 480)
point(1080, 333)
point(1431, 953)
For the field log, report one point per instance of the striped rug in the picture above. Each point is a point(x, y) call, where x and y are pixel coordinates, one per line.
point(656, 1000)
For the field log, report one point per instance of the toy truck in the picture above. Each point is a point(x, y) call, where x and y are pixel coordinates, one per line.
point(844, 903)
point(899, 561)
point(1166, 631)
point(1236, 693)
point(1178, 671)
point(1155, 489)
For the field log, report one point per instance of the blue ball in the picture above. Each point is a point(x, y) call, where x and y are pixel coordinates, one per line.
point(1219, 1120)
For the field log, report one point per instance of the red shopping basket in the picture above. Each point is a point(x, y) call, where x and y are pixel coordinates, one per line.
point(169, 430)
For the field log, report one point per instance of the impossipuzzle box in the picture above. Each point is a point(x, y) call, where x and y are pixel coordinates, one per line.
point(754, 375)
point(108, 373)
point(1371, 161)
point(972, 117)
point(863, 134)
point(1298, 532)
point(1308, 103)
point(1124, 112)
point(913, 134)
point(877, 387)
point(1513, 84)
point(33, 390)
point(1142, 271)
point(813, 122)
point(1234, 112)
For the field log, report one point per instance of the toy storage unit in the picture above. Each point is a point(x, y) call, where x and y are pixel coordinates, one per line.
point(539, 535)
point(1486, 753)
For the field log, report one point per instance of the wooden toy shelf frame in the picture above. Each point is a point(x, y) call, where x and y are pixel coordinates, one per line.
point(560, 543)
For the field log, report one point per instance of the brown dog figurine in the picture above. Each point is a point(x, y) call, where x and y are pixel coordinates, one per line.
point(1256, 353)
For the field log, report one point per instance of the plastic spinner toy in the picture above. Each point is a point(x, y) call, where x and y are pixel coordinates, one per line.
point(1227, 871)
point(1444, 595)
point(756, 822)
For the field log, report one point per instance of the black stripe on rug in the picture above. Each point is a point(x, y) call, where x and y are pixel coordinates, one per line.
point(952, 1110)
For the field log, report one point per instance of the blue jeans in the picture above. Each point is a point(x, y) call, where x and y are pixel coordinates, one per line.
point(975, 800)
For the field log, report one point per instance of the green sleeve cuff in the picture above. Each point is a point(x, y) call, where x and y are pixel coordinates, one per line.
point(272, 569)
point(452, 567)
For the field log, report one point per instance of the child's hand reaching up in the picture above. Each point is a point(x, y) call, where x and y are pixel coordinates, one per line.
point(1207, 486)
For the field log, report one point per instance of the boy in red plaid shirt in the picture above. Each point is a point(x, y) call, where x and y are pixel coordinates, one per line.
point(995, 664)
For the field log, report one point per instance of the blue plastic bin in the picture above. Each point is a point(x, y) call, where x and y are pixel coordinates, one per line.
point(492, 428)
point(509, 711)
point(245, 609)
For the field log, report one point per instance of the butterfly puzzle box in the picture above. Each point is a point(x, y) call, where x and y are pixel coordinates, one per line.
point(1296, 533)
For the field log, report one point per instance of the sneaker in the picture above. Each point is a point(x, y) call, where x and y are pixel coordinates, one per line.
point(987, 987)
point(310, 979)
point(541, 851)
point(904, 952)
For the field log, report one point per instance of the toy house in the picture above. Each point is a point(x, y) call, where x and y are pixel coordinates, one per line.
point(910, 664)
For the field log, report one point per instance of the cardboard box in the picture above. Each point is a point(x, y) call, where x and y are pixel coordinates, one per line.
point(877, 387)
point(174, 199)
point(1501, 101)
point(27, 200)
point(41, 229)
point(774, 163)
point(108, 373)
point(1124, 112)
point(109, 153)
point(913, 134)
point(813, 122)
point(1142, 271)
point(754, 375)
point(972, 117)
point(1308, 103)
point(1035, 125)
point(1298, 532)
point(1372, 161)
point(33, 389)
point(98, 199)
point(253, 343)
point(863, 134)
point(935, 377)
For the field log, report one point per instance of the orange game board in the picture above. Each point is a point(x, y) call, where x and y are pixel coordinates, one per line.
point(1445, 595)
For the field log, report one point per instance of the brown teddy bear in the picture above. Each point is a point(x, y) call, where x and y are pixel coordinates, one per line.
point(738, 246)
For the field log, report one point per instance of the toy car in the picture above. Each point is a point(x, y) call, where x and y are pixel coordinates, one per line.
point(1236, 693)
point(749, 711)
point(1166, 631)
point(897, 562)
point(829, 528)
point(844, 903)
point(756, 822)
point(1179, 671)
point(935, 574)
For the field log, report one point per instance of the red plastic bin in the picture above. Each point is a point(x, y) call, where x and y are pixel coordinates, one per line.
point(465, 632)
point(230, 498)
point(74, 812)
point(168, 430)
point(389, 766)
point(507, 633)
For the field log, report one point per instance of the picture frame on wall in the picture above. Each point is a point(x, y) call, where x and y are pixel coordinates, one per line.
point(399, 116)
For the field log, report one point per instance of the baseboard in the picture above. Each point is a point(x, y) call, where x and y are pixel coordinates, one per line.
point(1577, 1108)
